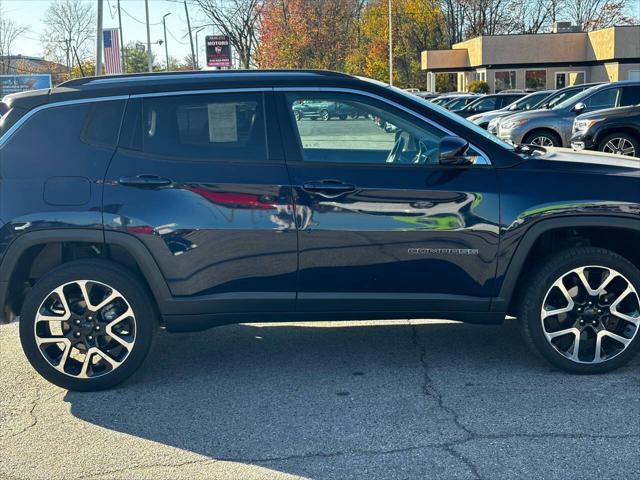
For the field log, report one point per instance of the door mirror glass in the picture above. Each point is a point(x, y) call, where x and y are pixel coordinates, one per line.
point(453, 151)
point(579, 107)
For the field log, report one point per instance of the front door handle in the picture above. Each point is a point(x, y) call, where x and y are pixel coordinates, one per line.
point(145, 181)
point(329, 188)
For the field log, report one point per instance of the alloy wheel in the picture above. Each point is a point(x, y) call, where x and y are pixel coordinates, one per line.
point(85, 329)
point(591, 314)
point(619, 146)
point(542, 141)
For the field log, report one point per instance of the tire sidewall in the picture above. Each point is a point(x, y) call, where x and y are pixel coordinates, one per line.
point(99, 271)
point(552, 269)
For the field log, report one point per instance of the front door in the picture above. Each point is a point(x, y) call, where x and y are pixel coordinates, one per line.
point(382, 226)
point(196, 180)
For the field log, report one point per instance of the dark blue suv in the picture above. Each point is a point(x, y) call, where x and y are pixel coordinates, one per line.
point(192, 200)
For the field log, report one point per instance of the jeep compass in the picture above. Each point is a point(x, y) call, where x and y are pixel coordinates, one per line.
point(190, 200)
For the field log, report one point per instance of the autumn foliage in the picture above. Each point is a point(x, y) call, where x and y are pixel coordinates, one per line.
point(351, 36)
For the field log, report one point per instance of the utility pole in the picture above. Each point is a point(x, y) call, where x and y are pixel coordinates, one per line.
point(197, 49)
point(193, 53)
point(122, 58)
point(149, 59)
point(166, 48)
point(390, 47)
point(99, 41)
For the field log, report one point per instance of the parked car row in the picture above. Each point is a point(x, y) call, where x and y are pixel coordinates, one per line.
point(595, 116)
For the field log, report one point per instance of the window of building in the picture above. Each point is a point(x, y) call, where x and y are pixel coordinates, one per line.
point(224, 126)
point(535, 79)
point(505, 80)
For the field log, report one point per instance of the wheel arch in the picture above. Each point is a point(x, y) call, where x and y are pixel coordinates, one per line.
point(581, 229)
point(543, 129)
point(613, 129)
point(19, 259)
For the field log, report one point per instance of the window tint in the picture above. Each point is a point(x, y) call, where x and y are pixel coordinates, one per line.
point(102, 124)
point(603, 99)
point(205, 126)
point(371, 133)
point(630, 96)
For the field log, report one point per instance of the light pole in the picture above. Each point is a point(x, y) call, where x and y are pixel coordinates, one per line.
point(149, 59)
point(197, 50)
point(99, 41)
point(166, 48)
point(390, 47)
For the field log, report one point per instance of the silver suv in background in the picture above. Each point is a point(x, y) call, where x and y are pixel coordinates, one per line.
point(552, 128)
point(525, 103)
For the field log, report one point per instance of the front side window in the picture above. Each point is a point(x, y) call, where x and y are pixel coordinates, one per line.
point(505, 80)
point(370, 133)
point(215, 126)
point(606, 98)
point(483, 104)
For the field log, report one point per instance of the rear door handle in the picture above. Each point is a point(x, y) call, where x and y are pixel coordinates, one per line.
point(145, 181)
point(329, 188)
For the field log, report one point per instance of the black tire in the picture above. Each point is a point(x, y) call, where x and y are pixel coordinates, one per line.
point(605, 146)
point(343, 117)
point(298, 115)
point(112, 275)
point(324, 115)
point(534, 137)
point(535, 290)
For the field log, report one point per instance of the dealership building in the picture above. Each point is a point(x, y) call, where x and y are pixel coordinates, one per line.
point(540, 61)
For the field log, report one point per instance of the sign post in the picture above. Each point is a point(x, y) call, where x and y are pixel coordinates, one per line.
point(218, 51)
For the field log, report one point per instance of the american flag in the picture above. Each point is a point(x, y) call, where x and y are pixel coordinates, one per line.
point(111, 41)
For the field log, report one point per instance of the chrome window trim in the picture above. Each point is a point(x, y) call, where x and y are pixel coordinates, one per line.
point(482, 155)
point(16, 126)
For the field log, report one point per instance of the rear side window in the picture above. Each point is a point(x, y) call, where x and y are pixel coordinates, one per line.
point(102, 123)
point(630, 96)
point(205, 126)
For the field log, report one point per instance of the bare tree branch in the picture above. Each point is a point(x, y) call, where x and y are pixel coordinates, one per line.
point(69, 28)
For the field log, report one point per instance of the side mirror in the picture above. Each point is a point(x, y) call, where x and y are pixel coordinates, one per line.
point(579, 107)
point(453, 151)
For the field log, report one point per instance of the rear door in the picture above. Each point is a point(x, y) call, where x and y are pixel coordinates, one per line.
point(382, 226)
point(200, 179)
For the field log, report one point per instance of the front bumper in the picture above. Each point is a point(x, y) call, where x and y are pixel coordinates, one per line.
point(581, 140)
point(514, 136)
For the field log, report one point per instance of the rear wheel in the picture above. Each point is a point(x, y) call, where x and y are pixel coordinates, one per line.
point(620, 144)
point(324, 115)
point(87, 325)
point(581, 310)
point(543, 139)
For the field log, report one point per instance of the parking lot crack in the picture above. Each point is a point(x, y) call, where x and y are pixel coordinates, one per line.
point(429, 389)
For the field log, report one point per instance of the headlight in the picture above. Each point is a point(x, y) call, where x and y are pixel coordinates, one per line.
point(511, 124)
point(584, 125)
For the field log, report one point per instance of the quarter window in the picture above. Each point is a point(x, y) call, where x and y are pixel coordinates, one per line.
point(630, 96)
point(205, 126)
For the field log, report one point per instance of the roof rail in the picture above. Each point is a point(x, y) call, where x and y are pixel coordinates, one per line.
point(78, 82)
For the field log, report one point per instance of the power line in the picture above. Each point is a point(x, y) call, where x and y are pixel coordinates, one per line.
point(139, 21)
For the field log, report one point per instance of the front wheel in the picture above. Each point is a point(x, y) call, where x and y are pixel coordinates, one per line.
point(87, 325)
point(324, 115)
point(543, 139)
point(581, 311)
point(620, 144)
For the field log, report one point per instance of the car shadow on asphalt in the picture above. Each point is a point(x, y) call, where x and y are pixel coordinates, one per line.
point(263, 393)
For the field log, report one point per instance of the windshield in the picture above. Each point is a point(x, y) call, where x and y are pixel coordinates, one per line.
point(456, 103)
point(573, 99)
point(455, 118)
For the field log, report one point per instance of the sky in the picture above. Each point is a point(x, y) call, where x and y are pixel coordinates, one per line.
point(32, 12)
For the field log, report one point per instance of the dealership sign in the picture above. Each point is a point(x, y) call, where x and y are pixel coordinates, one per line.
point(20, 83)
point(218, 51)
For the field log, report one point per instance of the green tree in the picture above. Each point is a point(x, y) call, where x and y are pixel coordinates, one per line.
point(478, 86)
point(136, 59)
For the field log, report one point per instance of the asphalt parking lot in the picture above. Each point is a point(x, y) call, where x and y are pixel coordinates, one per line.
point(419, 399)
